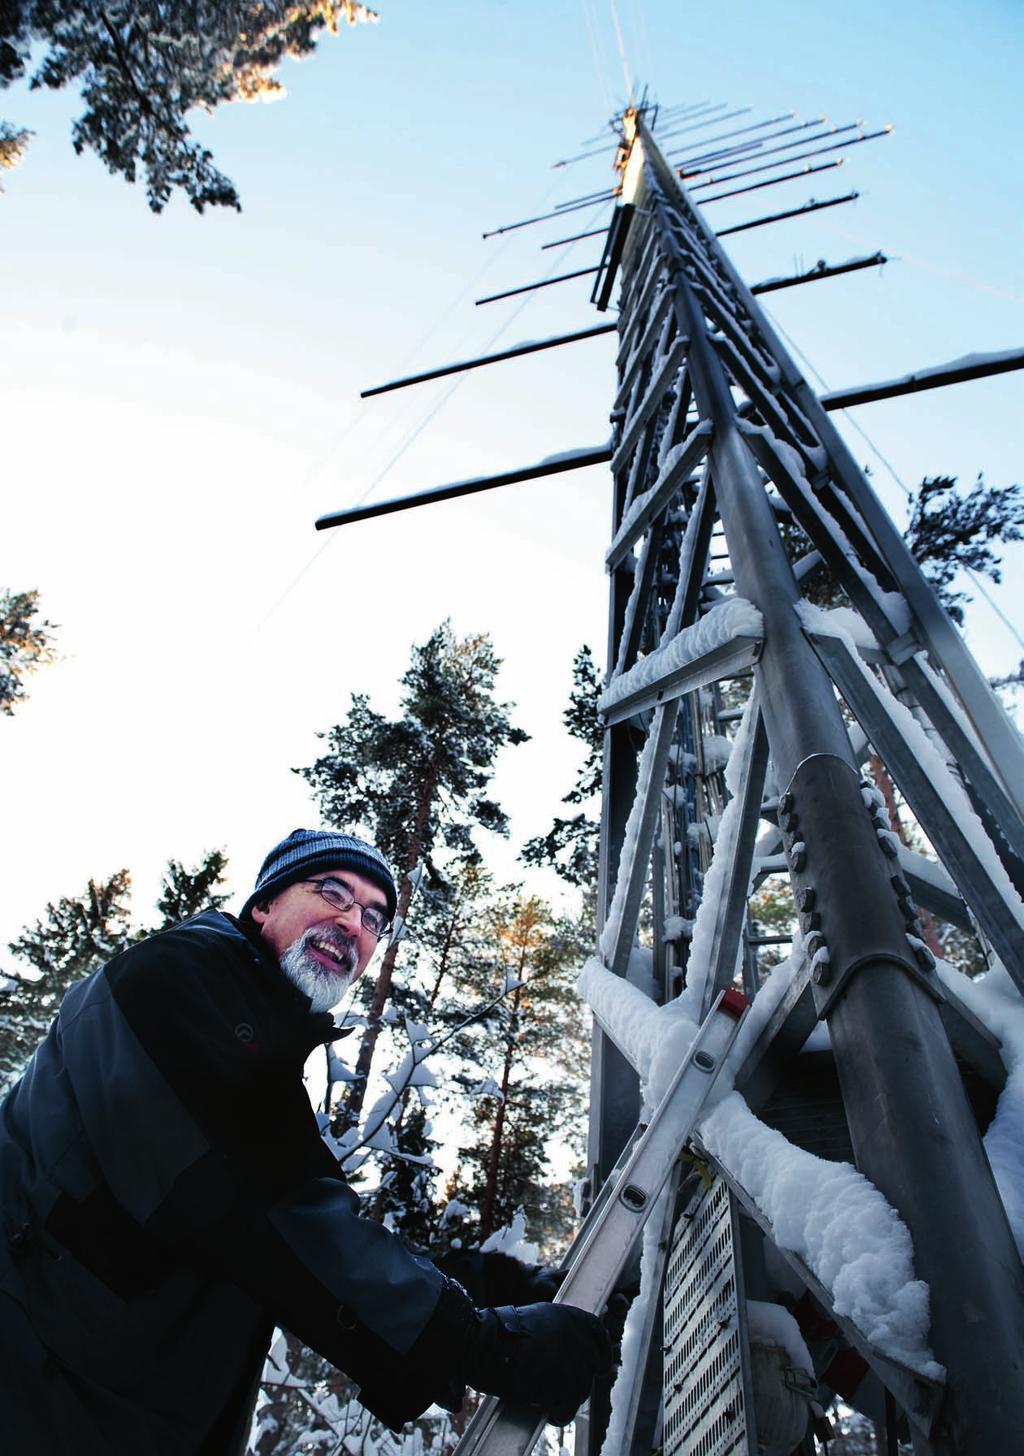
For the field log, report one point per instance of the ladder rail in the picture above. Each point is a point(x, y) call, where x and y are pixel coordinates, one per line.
point(499, 1428)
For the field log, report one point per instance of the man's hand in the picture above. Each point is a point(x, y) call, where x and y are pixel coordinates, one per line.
point(542, 1355)
point(495, 1278)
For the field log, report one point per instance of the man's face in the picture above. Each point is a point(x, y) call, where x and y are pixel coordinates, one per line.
point(320, 948)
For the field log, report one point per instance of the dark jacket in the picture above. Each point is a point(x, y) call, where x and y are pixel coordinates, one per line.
point(167, 1199)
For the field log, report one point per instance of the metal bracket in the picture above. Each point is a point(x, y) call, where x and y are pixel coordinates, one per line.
point(901, 649)
point(826, 994)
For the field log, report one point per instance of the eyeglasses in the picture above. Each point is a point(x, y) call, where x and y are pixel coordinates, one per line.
point(340, 896)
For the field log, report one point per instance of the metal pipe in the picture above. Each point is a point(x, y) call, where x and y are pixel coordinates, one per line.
point(712, 121)
point(690, 169)
point(513, 353)
point(973, 367)
point(561, 242)
point(510, 227)
point(823, 270)
point(572, 202)
point(756, 222)
point(772, 182)
point(544, 283)
point(754, 126)
point(557, 465)
point(747, 146)
point(800, 156)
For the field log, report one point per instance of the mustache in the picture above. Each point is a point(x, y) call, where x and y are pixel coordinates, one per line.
point(335, 939)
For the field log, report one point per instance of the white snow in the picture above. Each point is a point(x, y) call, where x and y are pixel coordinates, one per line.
point(571, 454)
point(772, 1324)
point(634, 1352)
point(454, 1209)
point(856, 626)
point(617, 1005)
point(733, 618)
point(685, 761)
point(677, 927)
point(715, 747)
point(610, 932)
point(997, 1003)
point(512, 1240)
point(336, 1068)
point(837, 1223)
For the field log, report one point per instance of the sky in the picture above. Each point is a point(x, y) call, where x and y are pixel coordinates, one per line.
point(182, 391)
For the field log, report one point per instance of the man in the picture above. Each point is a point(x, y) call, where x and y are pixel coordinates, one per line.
point(167, 1198)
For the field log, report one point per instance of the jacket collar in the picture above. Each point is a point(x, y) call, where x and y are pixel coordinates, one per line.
point(321, 1028)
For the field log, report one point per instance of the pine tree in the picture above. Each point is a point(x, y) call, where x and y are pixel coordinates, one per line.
point(571, 845)
point(13, 141)
point(417, 785)
point(78, 934)
point(533, 1054)
point(186, 892)
point(405, 1200)
point(25, 644)
point(143, 65)
point(71, 938)
point(949, 533)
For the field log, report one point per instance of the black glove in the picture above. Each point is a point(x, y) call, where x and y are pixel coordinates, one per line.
point(495, 1278)
point(542, 1355)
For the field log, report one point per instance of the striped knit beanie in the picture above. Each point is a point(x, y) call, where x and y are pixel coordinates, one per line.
point(307, 851)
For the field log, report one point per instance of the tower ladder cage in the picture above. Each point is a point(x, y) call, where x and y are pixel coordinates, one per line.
point(740, 722)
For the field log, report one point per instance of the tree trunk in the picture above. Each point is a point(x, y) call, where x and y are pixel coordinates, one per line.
point(490, 1197)
point(382, 990)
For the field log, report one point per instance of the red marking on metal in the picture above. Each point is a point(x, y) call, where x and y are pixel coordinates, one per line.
point(734, 1003)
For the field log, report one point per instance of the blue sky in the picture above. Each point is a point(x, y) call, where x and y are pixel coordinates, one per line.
point(181, 391)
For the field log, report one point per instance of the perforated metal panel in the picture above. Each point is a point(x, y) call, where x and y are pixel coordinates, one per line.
point(707, 1394)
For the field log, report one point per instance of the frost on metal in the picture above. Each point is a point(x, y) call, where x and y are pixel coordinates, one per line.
point(723, 624)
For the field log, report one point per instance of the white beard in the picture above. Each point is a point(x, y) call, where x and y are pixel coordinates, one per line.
point(323, 987)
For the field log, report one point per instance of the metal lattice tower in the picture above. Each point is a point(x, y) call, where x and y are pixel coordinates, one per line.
point(719, 443)
point(732, 492)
